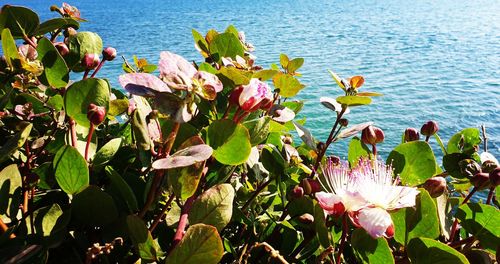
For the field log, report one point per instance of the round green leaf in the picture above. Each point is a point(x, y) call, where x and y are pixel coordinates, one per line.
point(289, 85)
point(230, 141)
point(351, 100)
point(200, 244)
point(213, 207)
point(9, 49)
point(464, 141)
point(55, 71)
point(106, 153)
point(425, 250)
point(93, 207)
point(47, 220)
point(20, 20)
point(481, 220)
point(371, 250)
point(81, 94)
point(82, 43)
point(10, 192)
point(71, 170)
point(55, 24)
point(226, 45)
point(413, 161)
point(258, 129)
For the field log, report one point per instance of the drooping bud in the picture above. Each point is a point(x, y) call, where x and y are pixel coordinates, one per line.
point(372, 135)
point(411, 134)
point(495, 177)
point(109, 54)
point(469, 167)
point(435, 186)
point(255, 95)
point(297, 192)
point(90, 61)
point(343, 122)
point(96, 114)
point(62, 48)
point(307, 187)
point(480, 180)
point(430, 128)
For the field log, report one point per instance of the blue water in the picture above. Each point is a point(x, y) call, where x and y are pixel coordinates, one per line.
point(435, 60)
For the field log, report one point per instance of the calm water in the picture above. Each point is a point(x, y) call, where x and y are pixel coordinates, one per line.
point(432, 59)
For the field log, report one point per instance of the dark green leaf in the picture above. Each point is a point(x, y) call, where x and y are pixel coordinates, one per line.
point(55, 24)
point(81, 94)
point(94, 208)
point(120, 190)
point(371, 250)
point(465, 141)
point(21, 21)
point(413, 161)
point(71, 170)
point(15, 142)
point(481, 220)
point(149, 249)
point(425, 250)
point(320, 226)
point(230, 141)
point(226, 45)
point(82, 43)
point(47, 220)
point(106, 153)
point(258, 129)
point(55, 72)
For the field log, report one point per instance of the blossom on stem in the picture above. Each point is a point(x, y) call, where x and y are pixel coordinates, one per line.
point(255, 95)
point(366, 193)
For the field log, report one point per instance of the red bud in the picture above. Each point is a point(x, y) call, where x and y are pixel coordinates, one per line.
point(62, 48)
point(109, 54)
point(495, 177)
point(435, 186)
point(372, 135)
point(480, 180)
point(90, 61)
point(96, 114)
point(389, 232)
point(234, 97)
point(411, 134)
point(297, 192)
point(430, 128)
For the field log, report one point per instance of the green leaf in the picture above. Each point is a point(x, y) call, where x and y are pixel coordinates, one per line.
point(47, 220)
point(9, 48)
point(295, 64)
point(55, 72)
point(117, 107)
point(451, 163)
point(231, 76)
point(71, 170)
point(106, 153)
point(142, 239)
point(200, 41)
point(11, 185)
point(120, 190)
point(200, 244)
point(420, 221)
point(320, 226)
point(226, 45)
point(265, 75)
point(81, 94)
point(371, 250)
point(230, 141)
point(413, 161)
point(482, 221)
point(94, 208)
point(289, 85)
point(258, 129)
point(213, 207)
point(352, 100)
point(426, 250)
point(20, 20)
point(55, 24)
point(465, 141)
point(284, 60)
point(82, 43)
point(15, 142)
point(357, 149)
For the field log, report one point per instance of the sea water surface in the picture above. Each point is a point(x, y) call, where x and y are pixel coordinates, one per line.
point(436, 60)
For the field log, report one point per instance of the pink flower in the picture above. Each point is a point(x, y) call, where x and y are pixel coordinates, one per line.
point(255, 95)
point(368, 193)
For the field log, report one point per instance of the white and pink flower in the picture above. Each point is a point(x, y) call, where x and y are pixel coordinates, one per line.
point(254, 95)
point(366, 193)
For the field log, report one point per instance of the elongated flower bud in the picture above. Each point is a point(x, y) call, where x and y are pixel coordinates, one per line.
point(109, 54)
point(430, 128)
point(411, 134)
point(435, 186)
point(495, 177)
point(254, 95)
point(90, 61)
point(480, 180)
point(62, 48)
point(96, 114)
point(372, 135)
point(297, 192)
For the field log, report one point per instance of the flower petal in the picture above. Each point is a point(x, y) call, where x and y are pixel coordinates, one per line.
point(376, 221)
point(331, 203)
point(175, 69)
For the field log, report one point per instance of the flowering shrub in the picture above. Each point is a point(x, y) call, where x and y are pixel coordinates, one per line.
point(198, 162)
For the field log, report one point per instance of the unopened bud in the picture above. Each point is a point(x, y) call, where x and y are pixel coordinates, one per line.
point(62, 48)
point(435, 186)
point(109, 54)
point(488, 166)
point(343, 122)
point(495, 177)
point(389, 232)
point(287, 140)
point(306, 219)
point(480, 180)
point(372, 135)
point(430, 128)
point(54, 8)
point(469, 167)
point(310, 186)
point(234, 97)
point(307, 187)
point(297, 192)
point(96, 114)
point(320, 146)
point(90, 61)
point(411, 134)
point(70, 32)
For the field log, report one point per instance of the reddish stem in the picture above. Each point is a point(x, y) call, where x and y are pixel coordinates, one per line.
point(4, 228)
point(183, 221)
point(455, 223)
point(85, 74)
point(72, 128)
point(28, 40)
point(490, 195)
point(345, 229)
point(226, 113)
point(160, 215)
point(89, 139)
point(97, 69)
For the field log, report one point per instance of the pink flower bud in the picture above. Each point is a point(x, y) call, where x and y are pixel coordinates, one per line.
point(495, 177)
point(90, 61)
point(480, 180)
point(435, 186)
point(109, 54)
point(96, 114)
point(411, 134)
point(62, 48)
point(297, 192)
point(234, 97)
point(430, 128)
point(254, 94)
point(372, 135)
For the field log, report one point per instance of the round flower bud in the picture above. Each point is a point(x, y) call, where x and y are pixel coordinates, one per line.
point(287, 139)
point(96, 114)
point(255, 95)
point(90, 61)
point(469, 167)
point(372, 135)
point(310, 186)
point(62, 48)
point(109, 54)
point(343, 122)
point(411, 134)
point(480, 180)
point(435, 186)
point(430, 128)
point(495, 177)
point(297, 192)
point(488, 166)
point(70, 32)
point(389, 232)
